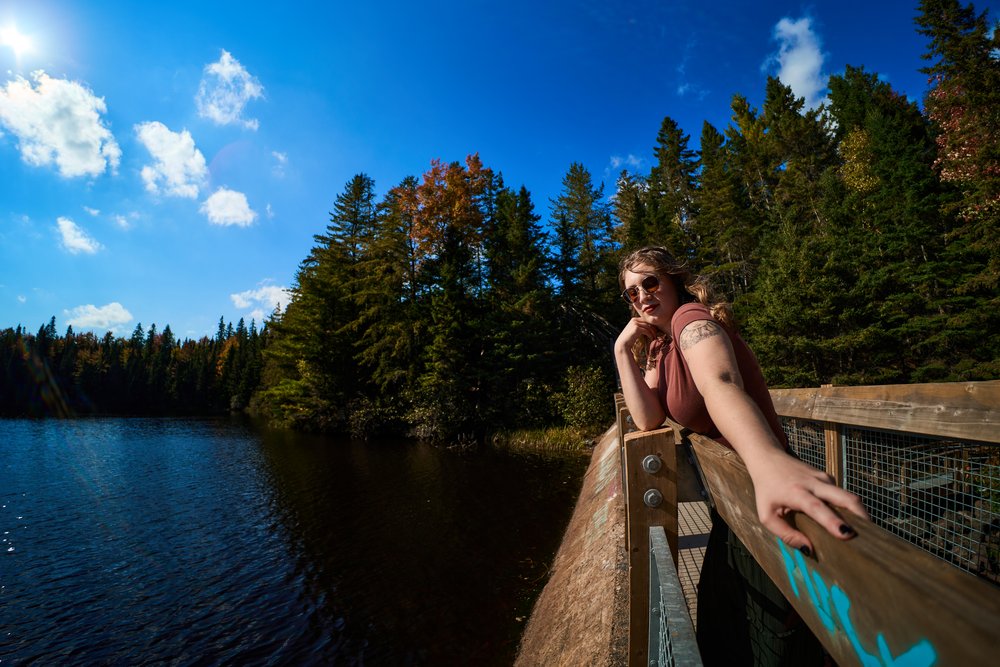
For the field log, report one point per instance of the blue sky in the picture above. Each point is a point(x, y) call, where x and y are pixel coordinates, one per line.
point(169, 163)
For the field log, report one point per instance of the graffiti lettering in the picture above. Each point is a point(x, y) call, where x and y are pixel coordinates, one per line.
point(833, 608)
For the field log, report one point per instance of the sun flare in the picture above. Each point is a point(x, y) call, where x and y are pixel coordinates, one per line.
point(18, 42)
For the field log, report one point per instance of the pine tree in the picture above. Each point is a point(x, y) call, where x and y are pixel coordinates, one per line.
point(964, 105)
point(723, 229)
point(583, 227)
point(796, 289)
point(451, 227)
point(388, 328)
point(312, 371)
point(671, 192)
point(515, 369)
point(631, 210)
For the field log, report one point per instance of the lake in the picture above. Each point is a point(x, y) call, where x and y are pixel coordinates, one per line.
point(184, 541)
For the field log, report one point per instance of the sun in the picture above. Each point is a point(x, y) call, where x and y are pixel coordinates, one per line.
point(19, 43)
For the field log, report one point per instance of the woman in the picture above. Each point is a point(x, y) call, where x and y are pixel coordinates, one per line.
point(699, 372)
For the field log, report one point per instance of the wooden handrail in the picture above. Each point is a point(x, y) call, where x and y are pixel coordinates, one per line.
point(872, 600)
point(868, 600)
point(965, 410)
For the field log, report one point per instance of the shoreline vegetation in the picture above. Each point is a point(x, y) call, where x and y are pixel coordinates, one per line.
point(859, 244)
point(559, 440)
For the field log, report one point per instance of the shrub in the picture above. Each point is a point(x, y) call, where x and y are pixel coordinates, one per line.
point(587, 402)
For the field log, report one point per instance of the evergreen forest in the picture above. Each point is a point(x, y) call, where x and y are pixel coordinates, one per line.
point(858, 242)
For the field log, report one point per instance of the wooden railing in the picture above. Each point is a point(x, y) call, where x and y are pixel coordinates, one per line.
point(924, 459)
point(873, 600)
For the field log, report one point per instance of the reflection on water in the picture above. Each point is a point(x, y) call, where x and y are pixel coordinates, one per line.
point(145, 540)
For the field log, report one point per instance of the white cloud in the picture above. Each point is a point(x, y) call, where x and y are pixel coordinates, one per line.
point(280, 161)
point(225, 90)
point(228, 207)
point(21, 298)
point(74, 239)
point(799, 59)
point(630, 160)
point(93, 211)
point(122, 222)
point(59, 121)
point(685, 87)
point(264, 300)
point(106, 318)
point(179, 168)
point(269, 210)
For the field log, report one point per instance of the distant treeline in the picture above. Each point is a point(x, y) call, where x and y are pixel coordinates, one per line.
point(858, 242)
point(150, 373)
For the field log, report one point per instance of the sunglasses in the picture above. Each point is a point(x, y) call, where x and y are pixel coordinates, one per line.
point(649, 285)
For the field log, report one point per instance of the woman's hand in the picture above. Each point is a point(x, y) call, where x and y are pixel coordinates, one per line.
point(633, 332)
point(642, 402)
point(783, 484)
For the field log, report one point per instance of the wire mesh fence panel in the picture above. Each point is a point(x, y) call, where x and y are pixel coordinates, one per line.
point(805, 437)
point(941, 495)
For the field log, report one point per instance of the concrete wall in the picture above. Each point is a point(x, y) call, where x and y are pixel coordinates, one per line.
point(581, 617)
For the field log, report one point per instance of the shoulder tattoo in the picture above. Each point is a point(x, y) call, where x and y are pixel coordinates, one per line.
point(698, 331)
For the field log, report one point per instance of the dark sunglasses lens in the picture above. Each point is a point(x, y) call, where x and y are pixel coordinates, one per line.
point(649, 285)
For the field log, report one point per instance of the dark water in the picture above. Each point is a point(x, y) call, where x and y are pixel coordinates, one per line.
point(160, 541)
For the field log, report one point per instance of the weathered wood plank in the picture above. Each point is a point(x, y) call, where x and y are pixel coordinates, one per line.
point(871, 600)
point(796, 403)
point(962, 410)
point(834, 452)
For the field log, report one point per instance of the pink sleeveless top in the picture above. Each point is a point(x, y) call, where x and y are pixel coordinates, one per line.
point(676, 388)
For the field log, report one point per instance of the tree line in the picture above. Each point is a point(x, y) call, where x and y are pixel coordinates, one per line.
point(149, 373)
point(858, 243)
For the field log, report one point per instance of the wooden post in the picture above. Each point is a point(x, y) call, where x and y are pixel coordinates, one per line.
point(834, 445)
point(645, 510)
point(623, 428)
point(834, 452)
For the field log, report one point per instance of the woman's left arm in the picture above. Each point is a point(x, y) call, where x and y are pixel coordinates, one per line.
point(782, 483)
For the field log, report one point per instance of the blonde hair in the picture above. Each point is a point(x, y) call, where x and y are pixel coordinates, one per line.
point(690, 286)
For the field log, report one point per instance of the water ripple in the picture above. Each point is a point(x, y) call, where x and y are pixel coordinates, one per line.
point(183, 542)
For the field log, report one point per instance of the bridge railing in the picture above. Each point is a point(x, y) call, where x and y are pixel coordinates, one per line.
point(925, 460)
point(873, 600)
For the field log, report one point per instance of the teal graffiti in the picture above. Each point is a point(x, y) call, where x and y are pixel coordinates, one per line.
point(833, 608)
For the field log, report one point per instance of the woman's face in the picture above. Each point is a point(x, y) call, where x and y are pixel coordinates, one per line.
point(656, 308)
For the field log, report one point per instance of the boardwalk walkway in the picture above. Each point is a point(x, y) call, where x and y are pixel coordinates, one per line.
point(693, 526)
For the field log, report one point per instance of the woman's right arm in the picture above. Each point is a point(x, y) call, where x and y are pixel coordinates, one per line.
point(642, 402)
